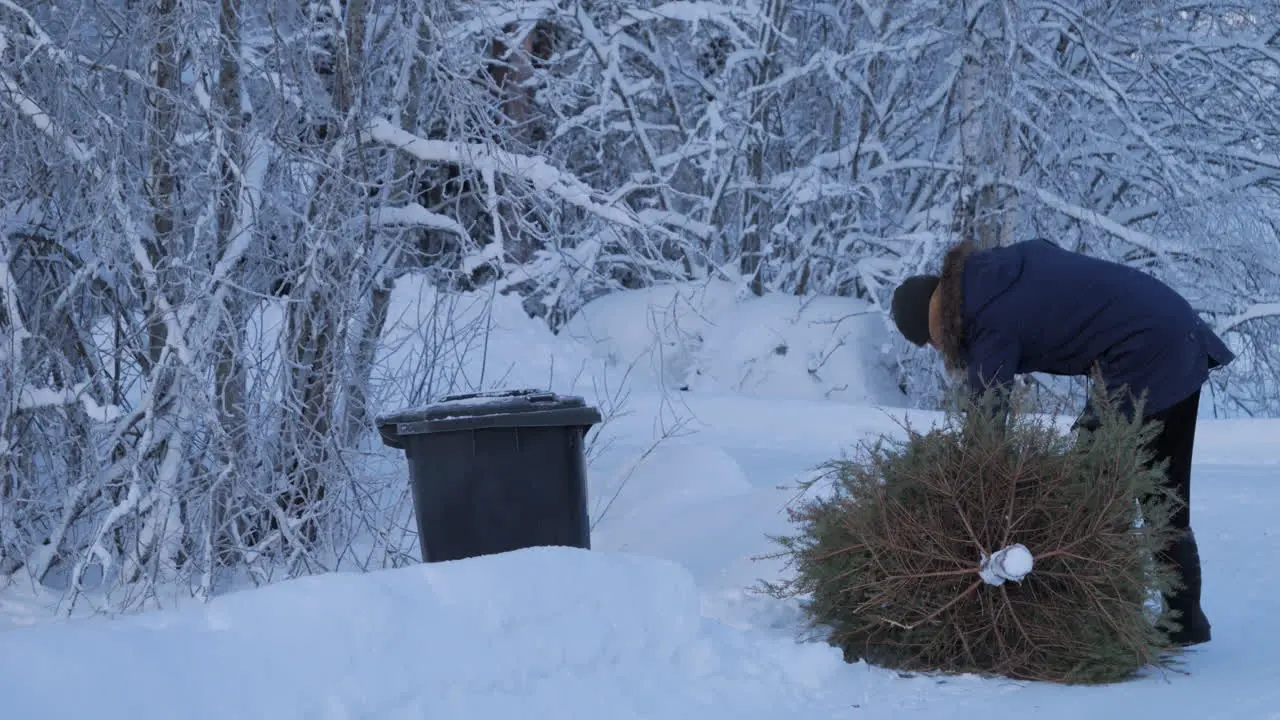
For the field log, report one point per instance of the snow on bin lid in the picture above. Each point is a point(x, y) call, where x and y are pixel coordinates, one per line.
point(480, 411)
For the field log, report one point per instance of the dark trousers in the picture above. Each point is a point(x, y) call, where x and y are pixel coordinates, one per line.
point(1175, 443)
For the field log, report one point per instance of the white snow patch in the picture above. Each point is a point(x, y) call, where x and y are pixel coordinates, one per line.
point(436, 344)
point(540, 633)
point(709, 339)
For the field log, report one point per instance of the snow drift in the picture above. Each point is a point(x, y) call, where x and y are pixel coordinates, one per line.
point(540, 633)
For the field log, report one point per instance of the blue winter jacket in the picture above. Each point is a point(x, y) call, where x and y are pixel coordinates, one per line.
point(1036, 307)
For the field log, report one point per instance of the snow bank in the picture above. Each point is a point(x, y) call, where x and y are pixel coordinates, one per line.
point(436, 343)
point(1238, 442)
point(541, 633)
point(709, 339)
point(694, 505)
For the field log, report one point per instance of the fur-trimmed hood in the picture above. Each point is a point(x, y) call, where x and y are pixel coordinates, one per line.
point(951, 306)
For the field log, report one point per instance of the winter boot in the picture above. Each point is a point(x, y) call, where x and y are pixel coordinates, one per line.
point(1195, 629)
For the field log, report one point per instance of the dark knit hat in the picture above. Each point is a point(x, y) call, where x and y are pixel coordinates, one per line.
point(911, 307)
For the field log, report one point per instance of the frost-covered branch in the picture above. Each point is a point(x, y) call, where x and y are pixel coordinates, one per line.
point(534, 170)
point(32, 111)
point(1253, 312)
point(411, 215)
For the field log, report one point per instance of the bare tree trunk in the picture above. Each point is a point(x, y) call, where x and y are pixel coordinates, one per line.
point(516, 125)
point(757, 208)
point(314, 322)
point(163, 131)
point(229, 370)
point(382, 279)
point(987, 211)
point(150, 492)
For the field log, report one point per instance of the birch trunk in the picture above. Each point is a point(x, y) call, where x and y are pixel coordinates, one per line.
point(315, 323)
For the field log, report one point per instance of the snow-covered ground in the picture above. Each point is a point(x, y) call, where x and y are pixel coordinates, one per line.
point(658, 620)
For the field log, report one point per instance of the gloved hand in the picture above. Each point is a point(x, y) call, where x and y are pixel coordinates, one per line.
point(1087, 422)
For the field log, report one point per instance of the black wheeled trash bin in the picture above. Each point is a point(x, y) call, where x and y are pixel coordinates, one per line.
point(495, 472)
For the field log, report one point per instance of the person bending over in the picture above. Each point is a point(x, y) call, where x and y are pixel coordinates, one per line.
point(1036, 307)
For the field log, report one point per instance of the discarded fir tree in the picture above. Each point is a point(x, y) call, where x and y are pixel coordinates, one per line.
point(994, 547)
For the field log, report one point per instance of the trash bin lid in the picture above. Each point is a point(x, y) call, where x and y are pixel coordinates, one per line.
point(480, 411)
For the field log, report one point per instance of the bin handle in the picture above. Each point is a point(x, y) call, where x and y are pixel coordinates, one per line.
point(576, 417)
point(531, 395)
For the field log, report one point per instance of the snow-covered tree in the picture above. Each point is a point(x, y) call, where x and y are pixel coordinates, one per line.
point(205, 205)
